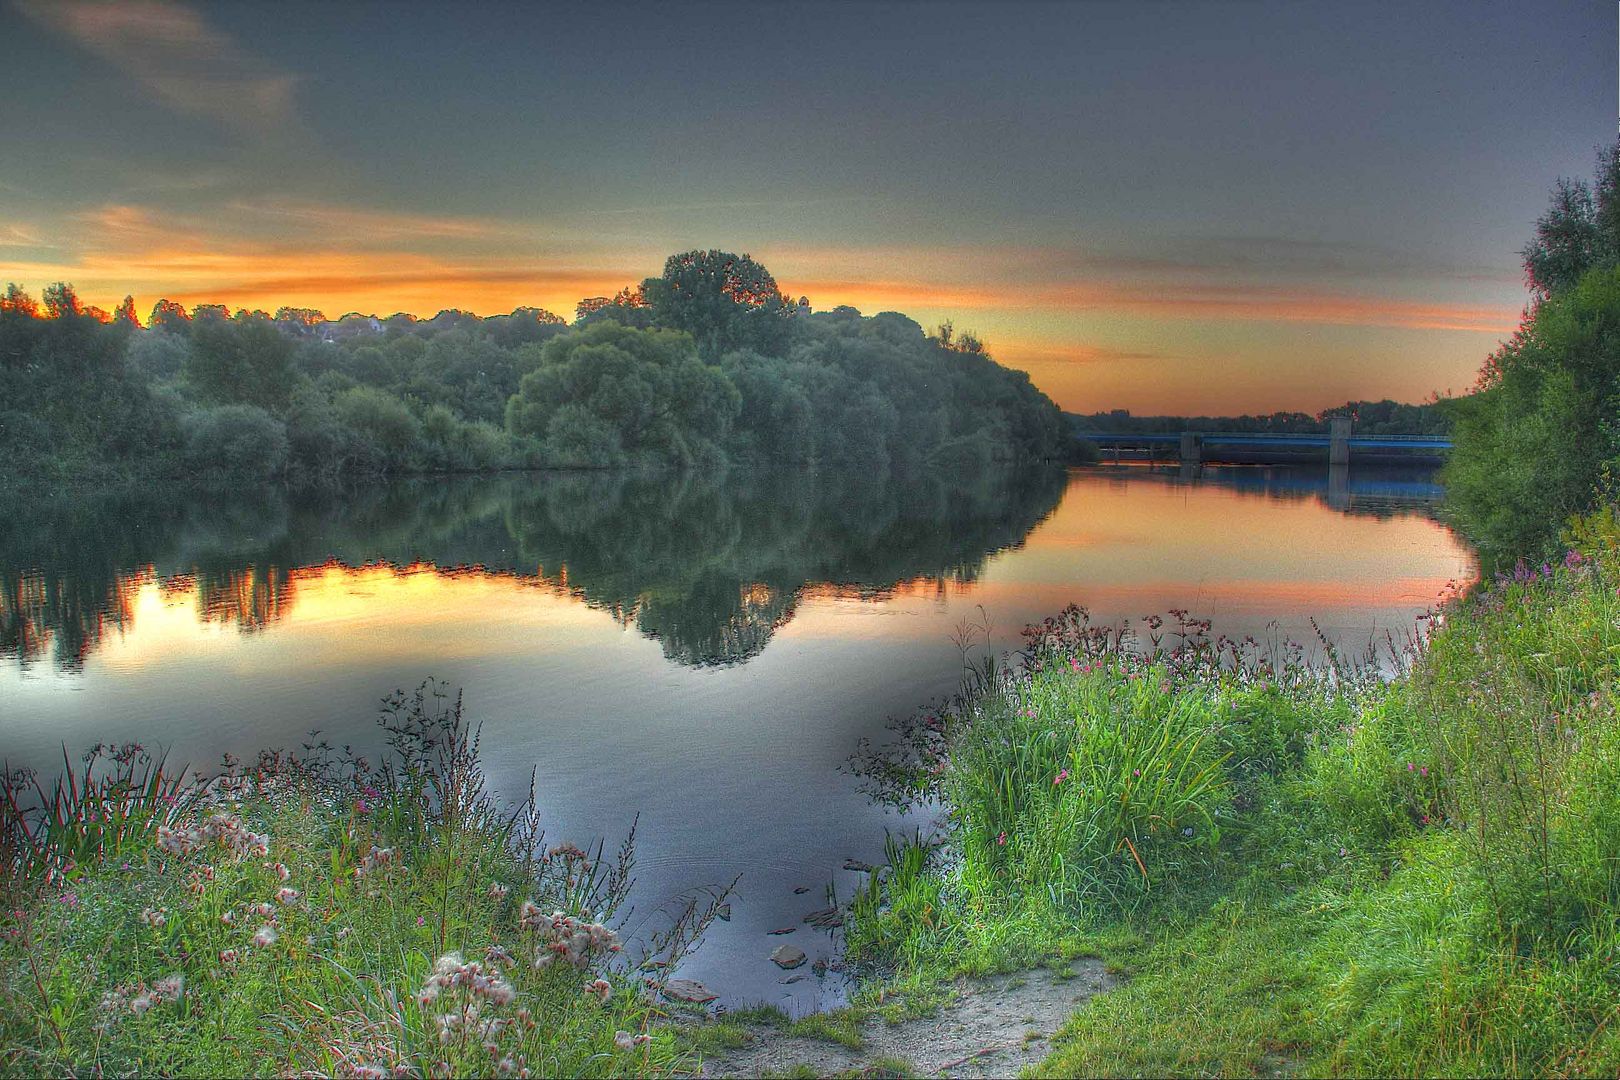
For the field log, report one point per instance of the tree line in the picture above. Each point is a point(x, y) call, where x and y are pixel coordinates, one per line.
point(1537, 443)
point(705, 365)
point(1385, 417)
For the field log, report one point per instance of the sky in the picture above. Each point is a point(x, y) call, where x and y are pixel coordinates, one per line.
point(1166, 207)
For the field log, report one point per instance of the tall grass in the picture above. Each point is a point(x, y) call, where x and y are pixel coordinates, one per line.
point(1406, 861)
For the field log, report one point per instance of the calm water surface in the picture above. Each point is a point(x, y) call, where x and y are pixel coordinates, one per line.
point(705, 652)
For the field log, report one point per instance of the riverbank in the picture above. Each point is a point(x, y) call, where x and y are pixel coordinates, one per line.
point(1292, 868)
point(317, 914)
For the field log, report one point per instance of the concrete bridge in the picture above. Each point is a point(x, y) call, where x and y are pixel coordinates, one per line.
point(1337, 447)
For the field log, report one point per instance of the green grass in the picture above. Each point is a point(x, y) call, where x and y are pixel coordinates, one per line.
point(1294, 868)
point(314, 916)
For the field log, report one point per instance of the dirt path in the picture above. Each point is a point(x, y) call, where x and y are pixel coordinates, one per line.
point(993, 1028)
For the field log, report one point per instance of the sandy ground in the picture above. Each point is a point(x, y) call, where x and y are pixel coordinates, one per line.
point(993, 1028)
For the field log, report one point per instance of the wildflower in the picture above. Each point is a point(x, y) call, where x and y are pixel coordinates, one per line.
point(626, 1041)
point(265, 938)
point(169, 988)
point(263, 909)
point(1061, 776)
point(153, 918)
point(374, 859)
point(70, 899)
point(140, 1004)
point(286, 896)
point(360, 807)
point(420, 921)
point(1136, 772)
point(1001, 839)
point(1188, 831)
point(1410, 766)
point(344, 932)
point(227, 956)
point(498, 891)
point(600, 989)
point(370, 792)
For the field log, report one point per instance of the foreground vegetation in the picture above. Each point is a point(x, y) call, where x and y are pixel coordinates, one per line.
point(317, 915)
point(707, 364)
point(1301, 867)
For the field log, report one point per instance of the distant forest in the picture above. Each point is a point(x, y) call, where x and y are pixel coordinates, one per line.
point(1372, 418)
point(703, 366)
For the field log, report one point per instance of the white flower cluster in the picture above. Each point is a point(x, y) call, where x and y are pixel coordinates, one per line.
point(566, 938)
point(451, 972)
point(227, 829)
point(140, 999)
point(374, 860)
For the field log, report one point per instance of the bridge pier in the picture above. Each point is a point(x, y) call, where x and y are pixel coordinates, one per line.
point(1192, 448)
point(1339, 429)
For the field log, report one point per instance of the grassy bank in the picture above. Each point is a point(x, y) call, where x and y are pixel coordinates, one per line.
point(1301, 867)
point(317, 915)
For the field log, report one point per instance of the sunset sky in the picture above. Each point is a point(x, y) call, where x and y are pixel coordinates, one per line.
point(1211, 207)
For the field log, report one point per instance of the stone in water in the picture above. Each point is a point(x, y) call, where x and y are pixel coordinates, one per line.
point(689, 990)
point(787, 957)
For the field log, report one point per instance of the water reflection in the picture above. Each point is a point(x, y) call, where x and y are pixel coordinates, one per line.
point(709, 566)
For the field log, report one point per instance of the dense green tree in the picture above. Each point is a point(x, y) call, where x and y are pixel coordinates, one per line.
point(248, 362)
point(1532, 447)
point(1537, 441)
point(724, 301)
point(235, 442)
point(647, 386)
point(154, 355)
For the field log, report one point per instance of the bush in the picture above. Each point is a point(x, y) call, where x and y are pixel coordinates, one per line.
point(234, 443)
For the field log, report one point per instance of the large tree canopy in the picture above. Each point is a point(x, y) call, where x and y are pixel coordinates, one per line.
point(724, 301)
point(613, 389)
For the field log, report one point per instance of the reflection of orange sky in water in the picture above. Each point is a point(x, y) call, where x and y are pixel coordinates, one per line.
point(1119, 547)
point(1130, 548)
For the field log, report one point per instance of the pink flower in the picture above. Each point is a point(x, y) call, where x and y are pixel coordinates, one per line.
point(1062, 776)
point(360, 807)
point(1002, 839)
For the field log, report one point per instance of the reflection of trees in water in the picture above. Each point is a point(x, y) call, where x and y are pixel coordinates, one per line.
point(711, 568)
point(710, 565)
point(1383, 493)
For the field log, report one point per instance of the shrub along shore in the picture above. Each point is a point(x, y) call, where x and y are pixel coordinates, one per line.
point(1300, 867)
